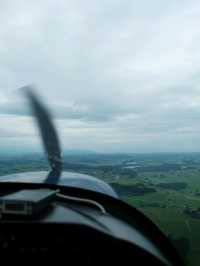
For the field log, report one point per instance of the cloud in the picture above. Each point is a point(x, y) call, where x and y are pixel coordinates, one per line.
point(117, 75)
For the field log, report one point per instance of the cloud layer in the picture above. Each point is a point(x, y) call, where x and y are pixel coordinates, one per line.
point(118, 75)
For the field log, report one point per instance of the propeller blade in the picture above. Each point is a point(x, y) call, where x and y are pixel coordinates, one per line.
point(48, 134)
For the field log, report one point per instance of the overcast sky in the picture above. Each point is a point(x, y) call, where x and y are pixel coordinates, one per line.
point(119, 76)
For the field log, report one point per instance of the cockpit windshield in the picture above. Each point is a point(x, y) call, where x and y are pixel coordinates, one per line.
point(120, 79)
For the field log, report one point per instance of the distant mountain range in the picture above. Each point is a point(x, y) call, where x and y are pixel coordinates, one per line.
point(11, 153)
point(78, 152)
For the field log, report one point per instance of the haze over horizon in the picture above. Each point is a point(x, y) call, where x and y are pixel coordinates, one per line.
point(118, 76)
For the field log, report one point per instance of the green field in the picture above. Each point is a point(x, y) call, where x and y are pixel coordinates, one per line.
point(166, 208)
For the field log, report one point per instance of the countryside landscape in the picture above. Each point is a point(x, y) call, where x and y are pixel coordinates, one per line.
point(164, 186)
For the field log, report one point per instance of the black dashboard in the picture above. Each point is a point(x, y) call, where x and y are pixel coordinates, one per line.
point(83, 234)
